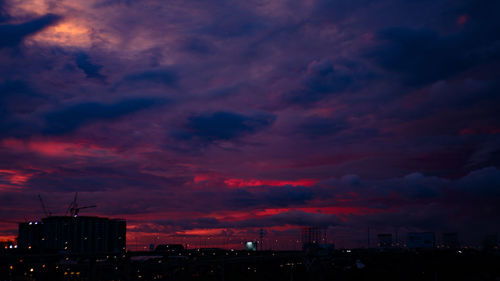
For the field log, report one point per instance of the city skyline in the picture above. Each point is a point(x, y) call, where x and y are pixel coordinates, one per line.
point(214, 119)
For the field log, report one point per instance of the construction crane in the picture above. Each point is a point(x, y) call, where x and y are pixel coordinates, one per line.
point(45, 210)
point(73, 208)
point(76, 210)
point(72, 205)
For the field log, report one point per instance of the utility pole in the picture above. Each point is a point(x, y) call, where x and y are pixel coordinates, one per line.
point(368, 237)
point(261, 236)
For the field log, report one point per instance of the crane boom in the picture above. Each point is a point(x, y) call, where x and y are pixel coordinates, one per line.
point(76, 210)
point(73, 208)
point(72, 204)
point(45, 210)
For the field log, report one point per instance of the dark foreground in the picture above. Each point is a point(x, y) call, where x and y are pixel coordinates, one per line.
point(216, 264)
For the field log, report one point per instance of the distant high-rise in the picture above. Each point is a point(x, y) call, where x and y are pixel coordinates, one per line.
point(30, 235)
point(385, 240)
point(421, 240)
point(81, 234)
point(450, 240)
point(313, 236)
point(490, 242)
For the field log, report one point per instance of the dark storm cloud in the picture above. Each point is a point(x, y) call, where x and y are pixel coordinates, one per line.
point(414, 186)
point(314, 127)
point(71, 118)
point(488, 152)
point(424, 55)
point(107, 3)
point(277, 196)
point(482, 183)
point(17, 96)
point(400, 96)
point(212, 198)
point(91, 70)
point(230, 21)
point(102, 177)
point(293, 218)
point(198, 46)
point(228, 26)
point(458, 96)
point(18, 100)
point(290, 218)
point(483, 21)
point(413, 202)
point(18, 127)
point(462, 95)
point(338, 10)
point(286, 195)
point(4, 16)
point(222, 125)
point(167, 77)
point(251, 198)
point(421, 56)
point(424, 217)
point(11, 35)
point(321, 80)
point(420, 203)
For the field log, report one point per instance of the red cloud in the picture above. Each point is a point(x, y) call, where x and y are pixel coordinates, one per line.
point(255, 182)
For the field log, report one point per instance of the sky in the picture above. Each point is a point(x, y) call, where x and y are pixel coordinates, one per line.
point(201, 122)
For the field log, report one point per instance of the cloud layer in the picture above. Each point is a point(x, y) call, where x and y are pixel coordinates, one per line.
point(208, 118)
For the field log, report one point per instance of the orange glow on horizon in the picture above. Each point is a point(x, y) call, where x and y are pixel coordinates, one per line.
point(202, 231)
point(8, 238)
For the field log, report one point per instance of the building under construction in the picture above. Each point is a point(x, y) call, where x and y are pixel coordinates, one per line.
point(74, 234)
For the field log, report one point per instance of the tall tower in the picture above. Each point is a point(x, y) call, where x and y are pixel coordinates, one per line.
point(261, 238)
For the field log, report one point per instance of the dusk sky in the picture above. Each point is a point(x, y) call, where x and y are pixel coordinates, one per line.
point(202, 121)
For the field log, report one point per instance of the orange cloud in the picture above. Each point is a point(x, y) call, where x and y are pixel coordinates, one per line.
point(66, 34)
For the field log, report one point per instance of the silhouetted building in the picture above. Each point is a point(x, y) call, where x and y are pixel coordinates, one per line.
point(384, 240)
point(80, 234)
point(7, 245)
point(421, 240)
point(313, 236)
point(169, 248)
point(30, 235)
point(490, 242)
point(450, 240)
